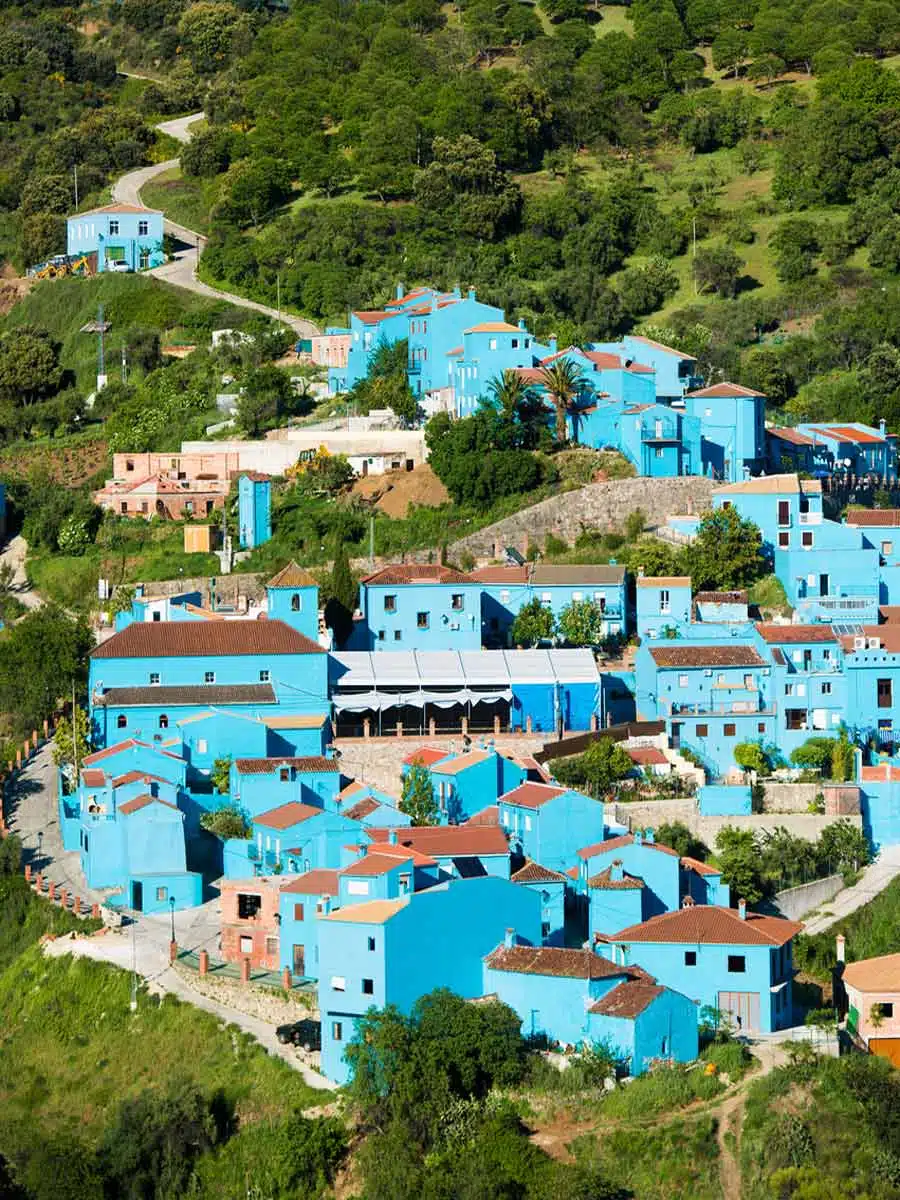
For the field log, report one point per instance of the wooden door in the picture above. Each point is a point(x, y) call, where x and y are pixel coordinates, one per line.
point(742, 1008)
point(299, 960)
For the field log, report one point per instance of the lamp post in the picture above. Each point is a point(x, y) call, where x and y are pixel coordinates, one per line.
point(173, 945)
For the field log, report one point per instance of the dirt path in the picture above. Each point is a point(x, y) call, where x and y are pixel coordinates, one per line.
point(728, 1136)
point(181, 269)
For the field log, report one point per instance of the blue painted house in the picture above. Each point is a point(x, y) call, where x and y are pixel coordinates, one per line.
point(730, 959)
point(732, 420)
point(452, 851)
point(613, 864)
point(576, 997)
point(507, 589)
point(292, 596)
point(675, 373)
point(809, 685)
point(415, 606)
point(371, 807)
point(549, 823)
point(485, 350)
point(394, 951)
point(790, 450)
point(117, 234)
point(853, 450)
point(302, 902)
point(254, 509)
point(880, 529)
point(550, 886)
point(257, 784)
point(662, 603)
point(466, 783)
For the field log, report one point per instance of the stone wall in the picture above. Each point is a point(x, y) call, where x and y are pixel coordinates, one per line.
point(599, 506)
point(228, 587)
point(654, 813)
point(794, 903)
point(840, 799)
point(378, 760)
point(264, 1003)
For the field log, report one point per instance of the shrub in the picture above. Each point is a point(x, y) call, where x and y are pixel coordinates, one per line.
point(228, 822)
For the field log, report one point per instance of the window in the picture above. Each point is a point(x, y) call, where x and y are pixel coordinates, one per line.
point(298, 912)
point(784, 512)
point(659, 452)
point(806, 539)
point(162, 893)
point(761, 727)
point(371, 943)
point(337, 1031)
point(504, 597)
point(737, 964)
point(683, 680)
point(338, 983)
point(264, 677)
point(249, 904)
point(113, 227)
point(795, 718)
point(157, 616)
point(749, 683)
point(690, 958)
point(143, 228)
point(201, 745)
point(357, 887)
point(789, 689)
point(368, 987)
point(457, 602)
point(154, 678)
point(887, 547)
point(826, 689)
point(296, 602)
point(121, 721)
point(123, 506)
point(381, 635)
point(515, 343)
point(421, 620)
point(398, 635)
point(527, 824)
point(702, 731)
point(886, 1008)
point(390, 604)
point(163, 721)
point(664, 601)
point(492, 344)
point(578, 596)
point(209, 677)
point(784, 541)
point(284, 775)
point(246, 945)
point(545, 929)
point(885, 693)
point(728, 730)
point(271, 947)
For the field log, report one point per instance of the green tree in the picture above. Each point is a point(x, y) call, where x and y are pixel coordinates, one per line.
point(726, 553)
point(814, 754)
point(739, 857)
point(465, 189)
point(207, 30)
point(717, 269)
point(794, 245)
point(533, 623)
point(220, 775)
point(677, 835)
point(226, 822)
point(266, 394)
point(582, 623)
point(29, 366)
point(729, 50)
point(562, 382)
point(70, 748)
point(750, 756)
point(843, 758)
point(339, 593)
point(417, 798)
point(843, 847)
point(40, 657)
point(597, 769)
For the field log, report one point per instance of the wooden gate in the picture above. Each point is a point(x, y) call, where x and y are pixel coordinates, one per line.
point(742, 1008)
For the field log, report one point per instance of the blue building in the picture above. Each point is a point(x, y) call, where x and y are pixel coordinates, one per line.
point(258, 784)
point(254, 509)
point(151, 675)
point(548, 823)
point(809, 684)
point(413, 606)
point(853, 450)
point(505, 590)
point(576, 997)
point(384, 952)
point(736, 961)
point(448, 851)
point(790, 450)
point(302, 902)
point(662, 603)
point(550, 886)
point(620, 861)
point(880, 529)
point(466, 783)
point(292, 596)
point(732, 420)
point(122, 236)
point(372, 807)
point(675, 372)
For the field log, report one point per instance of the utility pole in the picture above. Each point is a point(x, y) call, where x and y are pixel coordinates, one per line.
point(75, 169)
point(101, 358)
point(278, 293)
point(74, 740)
point(124, 364)
point(371, 541)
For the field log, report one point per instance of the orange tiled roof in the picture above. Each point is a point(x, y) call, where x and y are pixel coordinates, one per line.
point(711, 925)
point(199, 639)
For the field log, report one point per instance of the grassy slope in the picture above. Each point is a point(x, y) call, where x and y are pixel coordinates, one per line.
point(184, 200)
point(870, 931)
point(71, 1050)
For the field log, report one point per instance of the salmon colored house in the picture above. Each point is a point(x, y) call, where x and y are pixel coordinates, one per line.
point(250, 920)
point(873, 1003)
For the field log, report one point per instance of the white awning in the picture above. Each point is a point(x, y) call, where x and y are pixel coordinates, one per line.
point(529, 666)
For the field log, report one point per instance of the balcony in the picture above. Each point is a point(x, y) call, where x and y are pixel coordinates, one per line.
point(660, 431)
point(735, 708)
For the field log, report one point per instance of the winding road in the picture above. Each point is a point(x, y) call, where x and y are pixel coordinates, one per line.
point(181, 269)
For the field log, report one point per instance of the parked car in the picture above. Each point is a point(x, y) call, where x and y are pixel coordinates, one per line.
point(306, 1034)
point(116, 265)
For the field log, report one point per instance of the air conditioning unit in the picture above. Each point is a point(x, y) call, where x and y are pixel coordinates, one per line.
point(874, 643)
point(859, 643)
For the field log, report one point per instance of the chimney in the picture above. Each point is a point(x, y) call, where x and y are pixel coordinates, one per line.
point(882, 427)
point(742, 909)
point(617, 871)
point(457, 293)
point(638, 837)
point(551, 344)
point(392, 837)
point(509, 939)
point(648, 837)
point(521, 323)
point(841, 948)
point(687, 902)
point(363, 849)
point(471, 293)
point(398, 291)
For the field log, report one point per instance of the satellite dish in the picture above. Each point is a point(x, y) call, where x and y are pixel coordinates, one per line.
point(848, 462)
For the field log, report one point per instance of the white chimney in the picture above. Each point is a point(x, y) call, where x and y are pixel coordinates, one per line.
point(742, 909)
point(841, 948)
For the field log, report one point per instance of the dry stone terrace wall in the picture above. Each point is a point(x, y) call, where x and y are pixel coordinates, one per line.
point(602, 506)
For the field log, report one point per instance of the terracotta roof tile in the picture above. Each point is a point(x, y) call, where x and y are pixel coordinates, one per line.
point(118, 208)
point(616, 843)
point(721, 598)
point(719, 391)
point(187, 694)
point(763, 485)
point(370, 912)
point(533, 795)
point(127, 744)
point(795, 635)
point(665, 581)
point(628, 999)
point(292, 576)
point(425, 756)
point(702, 868)
point(502, 574)
point(485, 816)
point(548, 960)
point(447, 841)
point(878, 518)
point(320, 882)
point(604, 882)
point(881, 974)
point(138, 802)
point(494, 327)
point(533, 872)
point(460, 762)
point(794, 436)
point(711, 925)
point(362, 809)
point(287, 815)
point(403, 573)
point(647, 756)
point(373, 864)
point(373, 316)
point(315, 764)
point(706, 656)
point(93, 777)
point(193, 639)
point(134, 776)
point(846, 433)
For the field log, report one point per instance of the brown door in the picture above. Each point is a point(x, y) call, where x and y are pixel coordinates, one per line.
point(299, 960)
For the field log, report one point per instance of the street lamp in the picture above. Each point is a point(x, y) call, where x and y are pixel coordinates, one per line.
point(40, 838)
point(172, 914)
point(173, 945)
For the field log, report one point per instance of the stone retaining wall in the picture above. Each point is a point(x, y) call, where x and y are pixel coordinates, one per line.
point(264, 1003)
point(796, 902)
point(654, 813)
point(598, 506)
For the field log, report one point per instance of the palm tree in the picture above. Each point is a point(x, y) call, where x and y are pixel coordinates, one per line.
point(562, 382)
point(509, 391)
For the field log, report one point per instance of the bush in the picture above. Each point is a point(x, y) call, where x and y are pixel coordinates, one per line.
point(228, 822)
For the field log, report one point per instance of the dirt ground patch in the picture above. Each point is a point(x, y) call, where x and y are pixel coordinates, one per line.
point(393, 492)
point(12, 288)
point(69, 465)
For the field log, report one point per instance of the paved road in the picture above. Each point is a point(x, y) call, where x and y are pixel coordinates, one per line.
point(31, 808)
point(875, 879)
point(182, 267)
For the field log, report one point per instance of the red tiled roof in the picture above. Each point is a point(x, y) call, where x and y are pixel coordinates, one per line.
point(425, 756)
point(495, 574)
point(494, 327)
point(706, 656)
point(878, 518)
point(93, 777)
point(721, 598)
point(315, 883)
point(110, 751)
point(846, 433)
point(292, 576)
point(373, 863)
point(456, 841)
point(287, 815)
point(533, 872)
point(460, 762)
point(373, 316)
point(362, 809)
point(794, 635)
point(778, 657)
point(720, 391)
point(549, 960)
point(660, 346)
point(702, 868)
point(647, 756)
point(572, 872)
point(628, 999)
point(794, 436)
point(315, 764)
point(616, 843)
point(401, 573)
point(487, 816)
point(604, 882)
point(134, 776)
point(138, 802)
point(119, 208)
point(711, 925)
point(887, 635)
point(532, 795)
point(199, 639)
